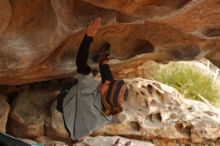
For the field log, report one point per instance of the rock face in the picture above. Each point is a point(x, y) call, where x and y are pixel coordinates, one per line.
point(39, 39)
point(4, 110)
point(46, 141)
point(109, 141)
point(54, 126)
point(28, 113)
point(155, 110)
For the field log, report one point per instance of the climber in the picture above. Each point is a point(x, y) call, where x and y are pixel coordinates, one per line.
point(89, 105)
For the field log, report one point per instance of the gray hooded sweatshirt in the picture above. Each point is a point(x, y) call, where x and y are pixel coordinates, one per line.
point(82, 107)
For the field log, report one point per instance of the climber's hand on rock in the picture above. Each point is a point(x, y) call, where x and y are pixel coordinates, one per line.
point(93, 27)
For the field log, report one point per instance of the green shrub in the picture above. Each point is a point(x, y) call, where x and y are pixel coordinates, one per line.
point(189, 80)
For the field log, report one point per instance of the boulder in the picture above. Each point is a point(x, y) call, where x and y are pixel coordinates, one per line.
point(54, 126)
point(155, 110)
point(4, 111)
point(110, 140)
point(46, 141)
point(28, 113)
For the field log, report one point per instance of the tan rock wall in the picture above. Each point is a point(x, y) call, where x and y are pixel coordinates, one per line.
point(28, 113)
point(4, 111)
point(155, 110)
point(39, 39)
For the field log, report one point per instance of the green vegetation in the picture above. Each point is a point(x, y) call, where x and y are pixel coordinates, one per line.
point(190, 81)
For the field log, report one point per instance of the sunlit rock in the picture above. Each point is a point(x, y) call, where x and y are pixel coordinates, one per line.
point(110, 140)
point(155, 110)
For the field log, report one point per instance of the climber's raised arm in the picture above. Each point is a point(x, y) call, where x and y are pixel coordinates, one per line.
point(83, 51)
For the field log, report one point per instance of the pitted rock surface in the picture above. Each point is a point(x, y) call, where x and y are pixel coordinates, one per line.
point(155, 110)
